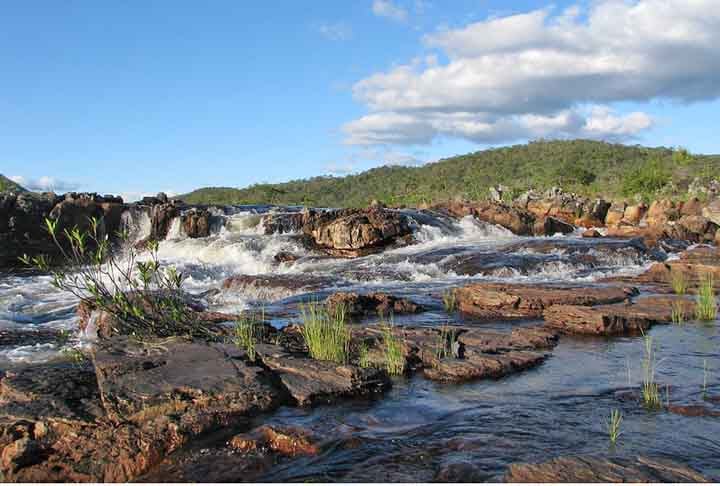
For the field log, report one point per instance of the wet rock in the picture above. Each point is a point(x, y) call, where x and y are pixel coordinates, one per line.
point(615, 320)
point(25, 337)
point(196, 223)
point(282, 223)
point(589, 469)
point(161, 217)
point(550, 226)
point(285, 257)
point(356, 232)
point(276, 286)
point(477, 365)
point(519, 221)
point(633, 214)
point(461, 472)
point(358, 305)
point(490, 300)
point(285, 441)
point(693, 411)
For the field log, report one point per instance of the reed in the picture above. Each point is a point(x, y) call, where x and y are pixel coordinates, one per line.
point(679, 282)
point(614, 425)
point(445, 340)
point(706, 304)
point(449, 301)
point(650, 389)
point(245, 336)
point(364, 356)
point(326, 335)
point(678, 313)
point(394, 358)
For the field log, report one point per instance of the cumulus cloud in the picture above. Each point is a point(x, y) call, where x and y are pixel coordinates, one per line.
point(547, 73)
point(45, 184)
point(336, 31)
point(387, 9)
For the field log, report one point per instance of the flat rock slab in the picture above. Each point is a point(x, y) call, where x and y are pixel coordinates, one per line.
point(141, 378)
point(312, 382)
point(477, 366)
point(508, 301)
point(587, 469)
point(617, 319)
point(358, 305)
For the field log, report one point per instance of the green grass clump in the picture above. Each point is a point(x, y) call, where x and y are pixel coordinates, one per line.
point(449, 301)
point(394, 358)
point(614, 426)
point(444, 346)
point(245, 336)
point(706, 305)
point(326, 335)
point(364, 356)
point(678, 313)
point(678, 281)
point(650, 389)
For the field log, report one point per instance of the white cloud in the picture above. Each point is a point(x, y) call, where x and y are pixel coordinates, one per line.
point(45, 184)
point(336, 31)
point(339, 169)
point(387, 9)
point(547, 73)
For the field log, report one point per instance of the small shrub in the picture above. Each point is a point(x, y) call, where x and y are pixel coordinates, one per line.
point(678, 281)
point(449, 301)
point(326, 335)
point(394, 358)
point(614, 426)
point(706, 305)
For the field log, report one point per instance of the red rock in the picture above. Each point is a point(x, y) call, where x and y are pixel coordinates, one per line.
point(286, 441)
point(591, 233)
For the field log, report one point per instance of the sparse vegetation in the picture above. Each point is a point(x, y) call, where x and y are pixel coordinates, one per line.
point(449, 301)
point(7, 185)
point(678, 281)
point(246, 334)
point(326, 334)
point(74, 355)
point(146, 297)
point(364, 356)
point(446, 339)
point(394, 358)
point(614, 426)
point(650, 389)
point(706, 305)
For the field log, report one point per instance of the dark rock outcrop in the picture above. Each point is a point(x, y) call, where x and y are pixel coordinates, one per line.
point(357, 305)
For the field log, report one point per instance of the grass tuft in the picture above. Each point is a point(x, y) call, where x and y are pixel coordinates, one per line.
point(614, 426)
point(678, 313)
point(444, 346)
point(326, 335)
point(706, 305)
point(650, 389)
point(679, 282)
point(394, 358)
point(364, 356)
point(449, 301)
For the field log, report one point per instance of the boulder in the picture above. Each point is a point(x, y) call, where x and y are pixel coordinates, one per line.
point(356, 232)
point(615, 214)
point(285, 441)
point(282, 223)
point(712, 211)
point(196, 223)
point(691, 207)
point(589, 469)
point(491, 300)
point(550, 226)
point(519, 221)
point(661, 212)
point(591, 233)
point(358, 305)
point(634, 214)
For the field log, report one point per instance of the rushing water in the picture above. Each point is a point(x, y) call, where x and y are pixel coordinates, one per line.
point(419, 427)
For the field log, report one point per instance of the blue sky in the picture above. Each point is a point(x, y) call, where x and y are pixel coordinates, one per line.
point(140, 96)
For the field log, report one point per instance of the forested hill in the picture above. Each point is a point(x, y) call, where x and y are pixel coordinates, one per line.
point(583, 166)
point(6, 185)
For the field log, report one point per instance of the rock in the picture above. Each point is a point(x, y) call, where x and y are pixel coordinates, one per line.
point(311, 382)
point(633, 214)
point(693, 411)
point(161, 217)
point(28, 337)
point(615, 214)
point(196, 223)
point(697, 229)
point(476, 366)
point(461, 472)
point(489, 300)
point(285, 257)
point(358, 305)
point(519, 221)
point(286, 441)
point(282, 223)
point(712, 211)
point(356, 232)
point(589, 469)
point(594, 214)
point(691, 207)
point(591, 233)
point(661, 212)
point(550, 226)
point(614, 320)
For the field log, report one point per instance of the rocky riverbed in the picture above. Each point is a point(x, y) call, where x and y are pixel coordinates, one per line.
point(520, 327)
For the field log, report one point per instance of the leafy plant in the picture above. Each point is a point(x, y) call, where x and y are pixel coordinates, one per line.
point(614, 425)
point(706, 305)
point(326, 335)
point(145, 297)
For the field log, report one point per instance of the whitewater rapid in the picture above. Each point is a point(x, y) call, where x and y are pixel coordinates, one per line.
point(446, 252)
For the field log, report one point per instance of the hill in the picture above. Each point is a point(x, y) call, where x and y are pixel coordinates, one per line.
point(583, 166)
point(6, 185)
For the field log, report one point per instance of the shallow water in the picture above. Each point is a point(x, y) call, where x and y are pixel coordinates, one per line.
point(419, 427)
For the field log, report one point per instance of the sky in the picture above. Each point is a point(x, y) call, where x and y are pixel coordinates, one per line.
point(142, 96)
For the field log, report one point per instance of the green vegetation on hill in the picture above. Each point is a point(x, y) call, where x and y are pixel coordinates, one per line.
point(6, 185)
point(583, 166)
